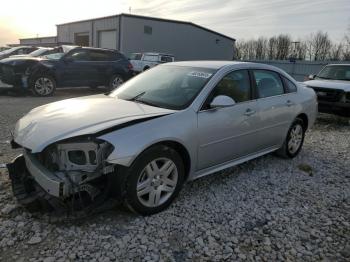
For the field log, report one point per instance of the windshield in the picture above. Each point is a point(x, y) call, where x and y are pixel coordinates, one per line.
point(335, 72)
point(55, 56)
point(38, 52)
point(166, 86)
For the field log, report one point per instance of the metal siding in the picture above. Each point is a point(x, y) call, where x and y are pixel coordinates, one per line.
point(33, 41)
point(106, 24)
point(185, 42)
point(300, 69)
point(65, 33)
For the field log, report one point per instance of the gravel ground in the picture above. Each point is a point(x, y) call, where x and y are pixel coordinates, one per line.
point(267, 209)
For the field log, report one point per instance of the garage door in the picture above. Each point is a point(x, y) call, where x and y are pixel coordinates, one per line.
point(107, 39)
point(82, 39)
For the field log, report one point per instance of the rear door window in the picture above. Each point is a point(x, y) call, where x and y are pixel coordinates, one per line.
point(268, 83)
point(166, 59)
point(135, 56)
point(80, 55)
point(101, 55)
point(151, 58)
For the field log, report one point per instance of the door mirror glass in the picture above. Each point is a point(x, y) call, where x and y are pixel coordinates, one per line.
point(311, 77)
point(222, 101)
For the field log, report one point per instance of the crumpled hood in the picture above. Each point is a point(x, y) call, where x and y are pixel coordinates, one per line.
point(50, 123)
point(336, 84)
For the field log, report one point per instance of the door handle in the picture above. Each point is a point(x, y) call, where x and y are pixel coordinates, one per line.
point(289, 103)
point(249, 112)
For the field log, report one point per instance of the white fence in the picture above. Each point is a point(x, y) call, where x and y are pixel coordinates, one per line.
point(300, 69)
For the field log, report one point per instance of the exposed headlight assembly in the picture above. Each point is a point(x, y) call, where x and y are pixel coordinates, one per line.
point(80, 161)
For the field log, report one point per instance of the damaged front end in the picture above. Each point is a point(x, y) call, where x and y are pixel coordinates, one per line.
point(67, 175)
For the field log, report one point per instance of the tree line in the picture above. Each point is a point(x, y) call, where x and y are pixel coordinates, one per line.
point(316, 47)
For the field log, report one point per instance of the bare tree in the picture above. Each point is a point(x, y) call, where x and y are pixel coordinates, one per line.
point(261, 48)
point(283, 47)
point(272, 48)
point(346, 45)
point(335, 52)
point(319, 46)
point(301, 50)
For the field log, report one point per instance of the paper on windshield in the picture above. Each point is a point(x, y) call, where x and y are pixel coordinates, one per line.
point(199, 74)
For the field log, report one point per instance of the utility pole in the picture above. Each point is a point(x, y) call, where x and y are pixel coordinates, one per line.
point(129, 9)
point(295, 48)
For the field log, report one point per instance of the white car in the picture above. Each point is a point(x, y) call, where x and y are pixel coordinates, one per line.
point(143, 61)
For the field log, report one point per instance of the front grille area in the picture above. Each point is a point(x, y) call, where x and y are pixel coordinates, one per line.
point(327, 94)
point(347, 97)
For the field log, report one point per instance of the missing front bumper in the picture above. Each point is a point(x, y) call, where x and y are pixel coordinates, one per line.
point(27, 191)
point(34, 197)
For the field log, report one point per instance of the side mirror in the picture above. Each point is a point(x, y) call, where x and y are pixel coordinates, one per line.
point(222, 101)
point(312, 77)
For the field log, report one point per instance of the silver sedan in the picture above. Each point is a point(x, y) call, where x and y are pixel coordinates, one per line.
point(168, 125)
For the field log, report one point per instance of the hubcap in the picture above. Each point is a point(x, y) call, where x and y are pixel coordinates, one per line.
point(43, 86)
point(157, 182)
point(117, 82)
point(296, 137)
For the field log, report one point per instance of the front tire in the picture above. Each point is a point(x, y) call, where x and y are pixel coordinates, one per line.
point(115, 82)
point(43, 86)
point(294, 140)
point(154, 180)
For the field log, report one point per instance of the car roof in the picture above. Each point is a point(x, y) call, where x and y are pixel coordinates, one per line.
point(338, 65)
point(216, 65)
point(208, 63)
point(97, 49)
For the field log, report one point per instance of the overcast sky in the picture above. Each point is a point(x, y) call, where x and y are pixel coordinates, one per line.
point(241, 19)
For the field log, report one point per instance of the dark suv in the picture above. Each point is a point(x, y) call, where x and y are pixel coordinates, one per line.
point(80, 66)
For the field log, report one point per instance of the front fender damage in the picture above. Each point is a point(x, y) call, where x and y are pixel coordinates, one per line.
point(73, 174)
point(44, 191)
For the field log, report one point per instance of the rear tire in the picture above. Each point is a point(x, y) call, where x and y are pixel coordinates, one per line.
point(294, 140)
point(154, 180)
point(43, 86)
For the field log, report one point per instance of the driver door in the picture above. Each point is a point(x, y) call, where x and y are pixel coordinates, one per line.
point(78, 69)
point(228, 133)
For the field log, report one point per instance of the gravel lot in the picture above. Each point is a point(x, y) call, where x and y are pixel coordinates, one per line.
point(265, 210)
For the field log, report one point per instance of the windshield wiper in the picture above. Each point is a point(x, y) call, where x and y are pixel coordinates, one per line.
point(138, 100)
point(135, 98)
point(324, 77)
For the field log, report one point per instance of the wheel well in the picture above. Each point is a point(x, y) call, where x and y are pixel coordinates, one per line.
point(182, 151)
point(146, 67)
point(305, 119)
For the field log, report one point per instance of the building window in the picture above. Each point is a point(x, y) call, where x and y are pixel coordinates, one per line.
point(147, 30)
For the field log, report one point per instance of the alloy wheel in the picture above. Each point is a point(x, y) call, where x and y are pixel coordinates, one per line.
point(44, 86)
point(296, 138)
point(157, 182)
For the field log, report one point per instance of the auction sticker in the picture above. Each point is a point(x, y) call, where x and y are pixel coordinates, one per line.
point(199, 74)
